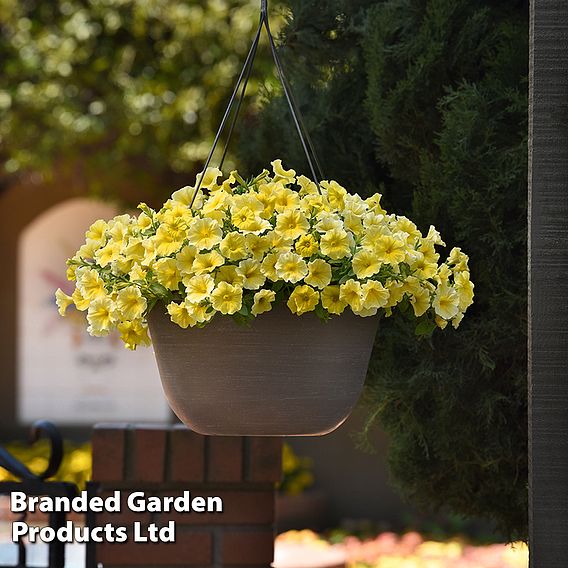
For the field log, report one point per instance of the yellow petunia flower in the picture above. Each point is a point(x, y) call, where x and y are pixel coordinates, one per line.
point(446, 302)
point(180, 315)
point(204, 233)
point(375, 295)
point(331, 301)
point(292, 224)
point(303, 299)
point(263, 302)
point(319, 275)
point(365, 264)
point(199, 288)
point(167, 273)
point(137, 273)
point(268, 266)
point(207, 262)
point(90, 284)
point(227, 299)
point(96, 231)
point(464, 287)
point(351, 294)
point(257, 246)
point(130, 303)
point(390, 250)
point(335, 244)
point(101, 316)
point(420, 300)
point(81, 303)
point(229, 274)
point(133, 333)
point(167, 241)
point(285, 199)
point(291, 267)
point(253, 276)
point(110, 252)
point(281, 173)
point(63, 301)
point(185, 259)
point(306, 246)
point(233, 246)
point(335, 194)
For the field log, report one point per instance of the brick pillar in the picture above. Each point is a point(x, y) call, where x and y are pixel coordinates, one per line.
point(165, 461)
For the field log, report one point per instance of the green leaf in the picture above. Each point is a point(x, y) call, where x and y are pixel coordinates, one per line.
point(425, 328)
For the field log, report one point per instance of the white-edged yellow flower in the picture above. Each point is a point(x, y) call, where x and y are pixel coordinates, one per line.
point(252, 274)
point(446, 302)
point(204, 233)
point(365, 264)
point(229, 274)
point(180, 315)
point(262, 302)
point(90, 284)
point(303, 299)
point(199, 288)
point(130, 303)
point(306, 246)
point(227, 299)
point(335, 244)
point(319, 275)
point(101, 316)
point(133, 333)
point(63, 301)
point(351, 293)
point(390, 250)
point(185, 259)
point(291, 267)
point(375, 295)
point(207, 262)
point(167, 273)
point(292, 224)
point(268, 266)
point(233, 246)
point(281, 173)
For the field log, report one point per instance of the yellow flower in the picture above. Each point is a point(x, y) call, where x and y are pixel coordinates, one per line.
point(464, 288)
point(291, 267)
point(281, 173)
point(227, 299)
point(185, 259)
point(263, 302)
point(144, 221)
point(319, 274)
point(335, 194)
point(291, 224)
point(134, 250)
point(200, 312)
point(335, 244)
point(137, 273)
point(285, 199)
point(184, 195)
point(96, 231)
point(351, 294)
point(167, 241)
point(133, 333)
point(179, 314)
point(229, 274)
point(434, 236)
point(307, 186)
point(104, 256)
point(204, 233)
point(207, 262)
point(446, 302)
point(306, 246)
point(209, 178)
point(62, 300)
point(81, 303)
point(457, 320)
point(257, 246)
point(420, 300)
point(277, 242)
point(90, 283)
point(390, 250)
point(422, 268)
point(167, 273)
point(375, 295)
point(303, 299)
point(441, 322)
point(233, 246)
point(199, 288)
point(353, 223)
point(253, 276)
point(396, 291)
point(130, 303)
point(101, 316)
point(331, 301)
point(365, 264)
point(247, 221)
point(268, 266)
point(217, 201)
point(88, 250)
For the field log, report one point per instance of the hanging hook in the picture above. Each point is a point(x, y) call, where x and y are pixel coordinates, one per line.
point(264, 7)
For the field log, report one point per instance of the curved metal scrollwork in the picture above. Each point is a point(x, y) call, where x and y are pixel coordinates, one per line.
point(40, 429)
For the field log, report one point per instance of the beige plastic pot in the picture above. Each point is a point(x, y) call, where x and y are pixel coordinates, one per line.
point(283, 375)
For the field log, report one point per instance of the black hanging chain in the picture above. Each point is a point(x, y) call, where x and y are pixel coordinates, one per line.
point(241, 85)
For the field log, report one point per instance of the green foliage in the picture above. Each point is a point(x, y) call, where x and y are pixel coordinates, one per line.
point(128, 86)
point(427, 99)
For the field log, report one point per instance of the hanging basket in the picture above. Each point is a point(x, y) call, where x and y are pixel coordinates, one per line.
point(283, 375)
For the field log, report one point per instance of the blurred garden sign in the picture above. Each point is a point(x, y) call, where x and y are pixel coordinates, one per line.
point(63, 374)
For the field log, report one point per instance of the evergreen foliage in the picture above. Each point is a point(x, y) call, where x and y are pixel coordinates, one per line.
point(428, 100)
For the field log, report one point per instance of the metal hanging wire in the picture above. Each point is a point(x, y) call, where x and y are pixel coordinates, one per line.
point(236, 98)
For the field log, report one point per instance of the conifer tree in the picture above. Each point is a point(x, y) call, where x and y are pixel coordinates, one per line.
point(426, 101)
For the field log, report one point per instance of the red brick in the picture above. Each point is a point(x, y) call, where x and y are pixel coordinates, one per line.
point(265, 459)
point(248, 548)
point(108, 452)
point(187, 455)
point(148, 453)
point(225, 459)
point(239, 508)
point(190, 549)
